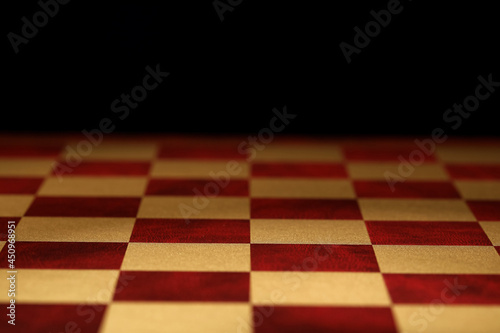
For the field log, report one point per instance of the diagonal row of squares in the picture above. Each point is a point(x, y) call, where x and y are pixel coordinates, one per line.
point(129, 317)
point(301, 288)
point(258, 208)
point(192, 168)
point(425, 259)
point(307, 188)
point(256, 188)
point(282, 149)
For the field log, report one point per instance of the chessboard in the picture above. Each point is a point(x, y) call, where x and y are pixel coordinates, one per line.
point(246, 234)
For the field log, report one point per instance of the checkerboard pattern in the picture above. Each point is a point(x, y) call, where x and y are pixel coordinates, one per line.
point(306, 237)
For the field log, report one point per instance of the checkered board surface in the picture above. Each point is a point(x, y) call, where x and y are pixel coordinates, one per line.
point(307, 236)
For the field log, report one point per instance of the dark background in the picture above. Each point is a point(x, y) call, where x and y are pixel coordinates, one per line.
point(226, 77)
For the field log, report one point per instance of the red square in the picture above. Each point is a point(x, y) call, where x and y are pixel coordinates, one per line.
point(315, 319)
point(189, 186)
point(447, 289)
point(498, 249)
point(4, 223)
point(298, 170)
point(473, 171)
point(407, 189)
point(309, 257)
point(185, 286)
point(84, 207)
point(20, 185)
point(54, 318)
point(426, 233)
point(30, 150)
point(485, 210)
point(305, 209)
point(87, 168)
point(197, 231)
point(66, 255)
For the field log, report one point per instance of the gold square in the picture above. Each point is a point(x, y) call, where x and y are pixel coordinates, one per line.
point(187, 257)
point(196, 169)
point(112, 151)
point(479, 190)
point(74, 229)
point(26, 167)
point(300, 153)
point(94, 186)
point(469, 154)
point(63, 286)
point(2, 245)
point(440, 318)
point(492, 229)
point(437, 259)
point(194, 208)
point(308, 231)
point(15, 205)
point(301, 188)
point(318, 288)
point(376, 171)
point(177, 317)
point(415, 210)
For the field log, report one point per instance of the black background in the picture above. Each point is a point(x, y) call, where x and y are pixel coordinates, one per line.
point(226, 77)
